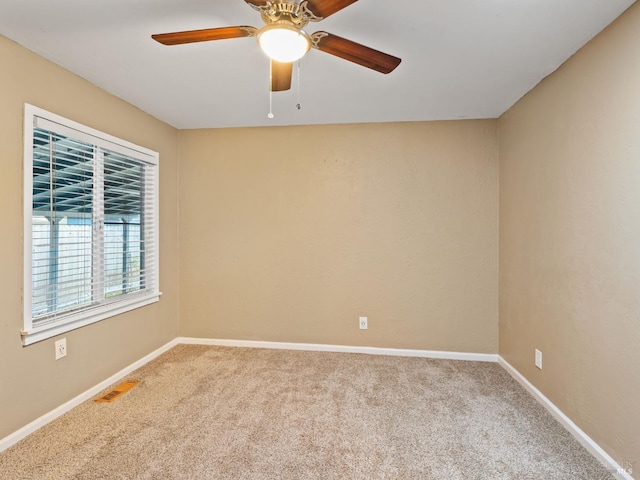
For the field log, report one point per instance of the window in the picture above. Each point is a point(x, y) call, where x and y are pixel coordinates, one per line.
point(91, 225)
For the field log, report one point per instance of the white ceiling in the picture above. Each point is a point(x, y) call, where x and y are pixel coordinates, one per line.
point(460, 58)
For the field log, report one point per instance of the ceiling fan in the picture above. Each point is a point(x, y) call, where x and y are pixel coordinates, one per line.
point(283, 39)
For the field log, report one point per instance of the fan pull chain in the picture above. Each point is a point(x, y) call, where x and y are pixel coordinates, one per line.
point(270, 114)
point(298, 105)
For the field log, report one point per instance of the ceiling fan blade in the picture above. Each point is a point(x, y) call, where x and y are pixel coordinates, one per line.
point(280, 76)
point(354, 52)
point(324, 8)
point(205, 35)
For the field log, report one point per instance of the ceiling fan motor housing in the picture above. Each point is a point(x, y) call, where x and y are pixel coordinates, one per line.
point(293, 13)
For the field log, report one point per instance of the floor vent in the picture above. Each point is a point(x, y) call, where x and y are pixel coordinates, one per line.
point(117, 392)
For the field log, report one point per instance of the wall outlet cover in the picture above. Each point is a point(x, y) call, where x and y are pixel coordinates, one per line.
point(61, 348)
point(538, 359)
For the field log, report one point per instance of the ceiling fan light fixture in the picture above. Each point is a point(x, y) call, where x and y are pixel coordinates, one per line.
point(284, 43)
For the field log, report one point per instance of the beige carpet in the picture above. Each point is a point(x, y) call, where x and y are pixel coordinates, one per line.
point(233, 413)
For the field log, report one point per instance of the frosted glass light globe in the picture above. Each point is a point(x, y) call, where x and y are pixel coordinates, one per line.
point(283, 43)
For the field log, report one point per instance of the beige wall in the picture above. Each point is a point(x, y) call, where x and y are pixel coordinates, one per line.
point(570, 237)
point(289, 234)
point(31, 381)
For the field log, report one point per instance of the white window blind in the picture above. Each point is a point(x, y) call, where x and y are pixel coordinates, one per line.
point(91, 225)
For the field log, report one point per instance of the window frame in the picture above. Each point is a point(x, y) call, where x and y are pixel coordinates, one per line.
point(105, 309)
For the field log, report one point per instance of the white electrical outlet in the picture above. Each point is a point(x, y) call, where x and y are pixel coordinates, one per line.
point(364, 323)
point(61, 348)
point(538, 359)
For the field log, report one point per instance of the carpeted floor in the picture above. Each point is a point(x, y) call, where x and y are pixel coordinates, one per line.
point(234, 413)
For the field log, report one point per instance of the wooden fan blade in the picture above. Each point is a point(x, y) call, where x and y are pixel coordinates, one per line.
point(324, 8)
point(354, 52)
point(257, 3)
point(280, 76)
point(205, 35)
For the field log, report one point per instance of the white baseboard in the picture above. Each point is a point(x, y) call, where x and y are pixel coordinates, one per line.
point(584, 439)
point(315, 347)
point(18, 435)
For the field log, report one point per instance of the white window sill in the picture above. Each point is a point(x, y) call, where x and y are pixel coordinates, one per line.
point(81, 319)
